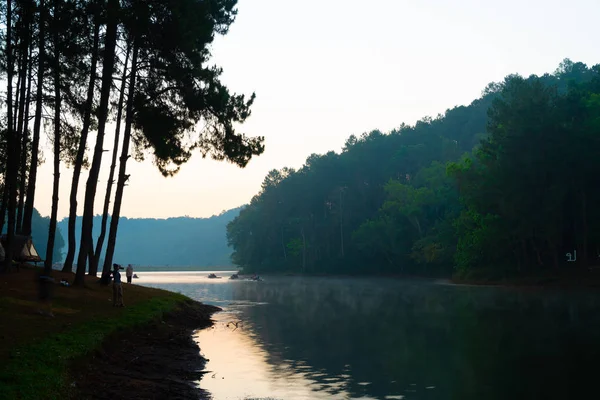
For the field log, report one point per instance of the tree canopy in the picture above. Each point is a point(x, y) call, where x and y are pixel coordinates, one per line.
point(146, 62)
point(498, 187)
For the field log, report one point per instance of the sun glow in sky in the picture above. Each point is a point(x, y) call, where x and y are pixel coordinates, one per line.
point(325, 69)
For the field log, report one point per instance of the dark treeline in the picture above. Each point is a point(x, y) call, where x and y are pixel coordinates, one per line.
point(179, 241)
point(505, 185)
point(69, 67)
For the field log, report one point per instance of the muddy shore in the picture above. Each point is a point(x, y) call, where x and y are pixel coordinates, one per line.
point(156, 361)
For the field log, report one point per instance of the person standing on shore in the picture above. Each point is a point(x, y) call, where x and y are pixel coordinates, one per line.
point(129, 273)
point(117, 287)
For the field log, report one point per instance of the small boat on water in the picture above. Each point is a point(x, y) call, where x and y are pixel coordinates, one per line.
point(213, 276)
point(234, 276)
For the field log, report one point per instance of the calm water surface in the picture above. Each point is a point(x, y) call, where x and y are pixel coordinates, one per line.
point(335, 338)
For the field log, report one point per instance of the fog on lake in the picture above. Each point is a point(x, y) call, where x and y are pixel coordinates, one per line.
point(350, 338)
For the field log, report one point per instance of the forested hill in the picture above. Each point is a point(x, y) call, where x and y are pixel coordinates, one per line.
point(180, 241)
point(504, 185)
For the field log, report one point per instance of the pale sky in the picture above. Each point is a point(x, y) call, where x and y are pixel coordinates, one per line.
point(325, 69)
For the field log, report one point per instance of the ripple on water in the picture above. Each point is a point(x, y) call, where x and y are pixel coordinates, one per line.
point(303, 367)
point(243, 303)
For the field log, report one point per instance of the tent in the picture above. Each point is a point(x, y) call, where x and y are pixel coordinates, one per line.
point(22, 248)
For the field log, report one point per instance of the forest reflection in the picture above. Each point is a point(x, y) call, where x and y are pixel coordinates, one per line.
point(376, 338)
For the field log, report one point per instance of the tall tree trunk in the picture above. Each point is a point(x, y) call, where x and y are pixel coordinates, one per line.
point(92, 182)
point(111, 175)
point(25, 136)
point(11, 171)
point(23, 49)
point(16, 95)
point(29, 200)
point(114, 219)
point(4, 204)
point(57, 100)
point(72, 241)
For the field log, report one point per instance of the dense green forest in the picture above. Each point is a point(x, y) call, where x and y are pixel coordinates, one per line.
point(179, 241)
point(503, 186)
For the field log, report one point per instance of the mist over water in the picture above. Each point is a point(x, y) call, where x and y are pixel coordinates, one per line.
point(334, 338)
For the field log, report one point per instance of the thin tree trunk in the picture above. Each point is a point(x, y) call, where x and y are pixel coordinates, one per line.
point(29, 200)
point(92, 182)
point(4, 204)
point(72, 241)
point(24, 47)
point(18, 115)
point(114, 220)
point(16, 95)
point(111, 175)
point(25, 135)
point(54, 212)
point(10, 164)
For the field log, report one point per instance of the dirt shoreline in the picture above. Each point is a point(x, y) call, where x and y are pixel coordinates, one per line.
point(157, 361)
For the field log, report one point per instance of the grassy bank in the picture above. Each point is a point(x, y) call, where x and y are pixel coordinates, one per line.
point(36, 351)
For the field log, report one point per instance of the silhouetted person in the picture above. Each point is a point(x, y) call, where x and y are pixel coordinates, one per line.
point(117, 287)
point(129, 273)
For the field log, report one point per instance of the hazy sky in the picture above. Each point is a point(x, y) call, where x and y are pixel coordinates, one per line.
point(325, 69)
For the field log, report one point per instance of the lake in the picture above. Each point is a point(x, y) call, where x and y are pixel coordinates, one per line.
point(362, 338)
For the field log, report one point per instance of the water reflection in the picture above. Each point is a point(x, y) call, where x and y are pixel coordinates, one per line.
point(239, 367)
point(384, 339)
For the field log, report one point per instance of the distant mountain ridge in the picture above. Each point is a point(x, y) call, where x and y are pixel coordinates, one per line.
point(173, 242)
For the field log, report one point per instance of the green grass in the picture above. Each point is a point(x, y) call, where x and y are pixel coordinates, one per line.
point(39, 369)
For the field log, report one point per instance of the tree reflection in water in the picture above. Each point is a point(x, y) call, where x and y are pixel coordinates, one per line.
point(375, 338)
